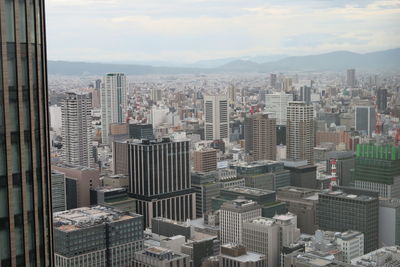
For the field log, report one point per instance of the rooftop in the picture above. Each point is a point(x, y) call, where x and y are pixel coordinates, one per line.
point(386, 256)
point(81, 218)
point(248, 190)
point(343, 195)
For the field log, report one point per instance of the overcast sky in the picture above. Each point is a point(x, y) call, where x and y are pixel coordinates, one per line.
point(192, 30)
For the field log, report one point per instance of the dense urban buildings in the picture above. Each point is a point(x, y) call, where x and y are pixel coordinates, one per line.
point(205, 164)
point(25, 192)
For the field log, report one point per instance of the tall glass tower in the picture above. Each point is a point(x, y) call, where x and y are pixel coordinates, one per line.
point(25, 207)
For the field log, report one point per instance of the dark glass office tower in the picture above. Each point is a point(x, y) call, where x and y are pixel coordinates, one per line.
point(25, 207)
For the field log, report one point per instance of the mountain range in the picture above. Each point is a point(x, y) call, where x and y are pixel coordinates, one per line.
point(386, 60)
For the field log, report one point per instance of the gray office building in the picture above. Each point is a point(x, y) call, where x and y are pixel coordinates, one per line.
point(303, 203)
point(345, 208)
point(96, 236)
point(389, 222)
point(365, 119)
point(141, 131)
point(206, 187)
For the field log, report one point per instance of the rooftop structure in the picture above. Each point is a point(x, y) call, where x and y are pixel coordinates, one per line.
point(383, 257)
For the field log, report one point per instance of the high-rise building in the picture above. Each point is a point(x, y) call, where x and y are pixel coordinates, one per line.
point(232, 215)
point(113, 102)
point(25, 193)
point(347, 208)
point(351, 78)
point(159, 178)
point(305, 94)
point(58, 191)
point(300, 132)
point(77, 129)
point(377, 168)
point(260, 137)
point(97, 84)
point(216, 112)
point(206, 188)
point(205, 160)
point(96, 236)
point(277, 104)
point(365, 119)
point(381, 99)
point(232, 94)
point(272, 80)
point(262, 235)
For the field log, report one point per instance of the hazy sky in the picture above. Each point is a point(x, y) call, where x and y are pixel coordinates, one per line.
point(191, 30)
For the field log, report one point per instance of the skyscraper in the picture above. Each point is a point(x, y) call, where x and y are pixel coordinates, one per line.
point(381, 99)
point(351, 78)
point(365, 119)
point(272, 80)
point(260, 137)
point(25, 196)
point(216, 117)
point(113, 102)
point(159, 178)
point(300, 132)
point(77, 129)
point(305, 94)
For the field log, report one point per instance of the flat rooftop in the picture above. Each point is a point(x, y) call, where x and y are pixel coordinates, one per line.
point(248, 190)
point(81, 218)
point(343, 195)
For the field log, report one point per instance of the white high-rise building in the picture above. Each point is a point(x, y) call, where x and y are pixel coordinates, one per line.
point(232, 216)
point(276, 104)
point(77, 131)
point(216, 117)
point(113, 102)
point(300, 132)
point(262, 235)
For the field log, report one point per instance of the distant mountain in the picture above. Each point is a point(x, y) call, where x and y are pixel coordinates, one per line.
point(387, 60)
point(84, 68)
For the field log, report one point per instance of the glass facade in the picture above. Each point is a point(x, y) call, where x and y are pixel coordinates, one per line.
point(25, 208)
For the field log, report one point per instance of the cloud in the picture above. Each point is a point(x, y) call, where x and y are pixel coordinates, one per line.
point(183, 30)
